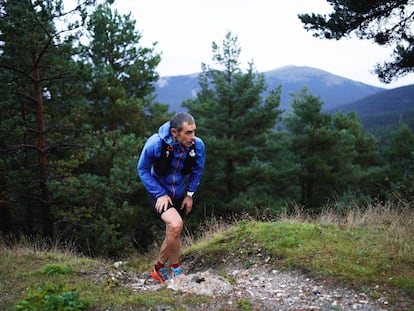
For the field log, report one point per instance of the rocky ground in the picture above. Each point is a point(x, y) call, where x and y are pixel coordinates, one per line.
point(264, 287)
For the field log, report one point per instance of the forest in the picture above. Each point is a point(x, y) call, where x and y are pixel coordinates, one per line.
point(77, 105)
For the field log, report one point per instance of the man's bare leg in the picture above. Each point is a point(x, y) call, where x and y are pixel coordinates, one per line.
point(163, 255)
point(170, 248)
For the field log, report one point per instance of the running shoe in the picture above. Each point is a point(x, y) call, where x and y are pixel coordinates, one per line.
point(160, 275)
point(176, 272)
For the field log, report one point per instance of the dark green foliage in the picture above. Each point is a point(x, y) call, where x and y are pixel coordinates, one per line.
point(51, 297)
point(38, 120)
point(122, 73)
point(311, 142)
point(72, 130)
point(400, 168)
point(55, 269)
point(332, 152)
point(236, 123)
point(73, 119)
point(401, 152)
point(104, 191)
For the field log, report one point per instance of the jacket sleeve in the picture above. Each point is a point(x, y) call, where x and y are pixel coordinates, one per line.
point(198, 168)
point(145, 162)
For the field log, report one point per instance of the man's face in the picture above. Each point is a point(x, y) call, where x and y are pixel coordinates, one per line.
point(187, 135)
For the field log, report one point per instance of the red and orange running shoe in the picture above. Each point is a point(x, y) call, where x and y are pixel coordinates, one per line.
point(160, 275)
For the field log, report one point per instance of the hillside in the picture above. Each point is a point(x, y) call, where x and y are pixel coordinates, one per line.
point(333, 90)
point(385, 108)
point(363, 263)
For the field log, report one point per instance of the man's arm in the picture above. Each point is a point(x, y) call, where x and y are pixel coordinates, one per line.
point(144, 167)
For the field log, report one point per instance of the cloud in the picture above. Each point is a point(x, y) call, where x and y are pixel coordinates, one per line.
point(162, 82)
point(269, 32)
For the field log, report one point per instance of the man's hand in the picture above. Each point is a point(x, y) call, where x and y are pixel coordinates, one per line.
point(187, 204)
point(162, 203)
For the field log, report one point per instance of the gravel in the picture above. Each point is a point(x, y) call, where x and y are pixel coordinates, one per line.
point(263, 287)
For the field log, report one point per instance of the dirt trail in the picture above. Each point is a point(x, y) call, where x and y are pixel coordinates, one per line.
point(266, 288)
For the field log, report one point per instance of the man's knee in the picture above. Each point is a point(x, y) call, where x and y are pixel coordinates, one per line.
point(175, 227)
point(173, 221)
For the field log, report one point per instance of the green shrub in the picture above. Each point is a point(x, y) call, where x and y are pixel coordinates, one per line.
point(50, 297)
point(55, 269)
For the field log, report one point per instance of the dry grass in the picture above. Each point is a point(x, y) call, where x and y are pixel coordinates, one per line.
point(25, 245)
point(209, 229)
point(398, 221)
point(395, 222)
point(375, 214)
point(374, 238)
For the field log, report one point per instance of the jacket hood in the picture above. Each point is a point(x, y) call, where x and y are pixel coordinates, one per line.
point(165, 133)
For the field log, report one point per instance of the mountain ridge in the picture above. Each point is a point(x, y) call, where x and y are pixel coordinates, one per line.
point(386, 108)
point(334, 90)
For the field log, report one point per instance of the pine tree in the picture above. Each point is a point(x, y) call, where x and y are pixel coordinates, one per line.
point(334, 155)
point(35, 62)
point(383, 22)
point(123, 73)
point(400, 153)
point(358, 157)
point(236, 122)
point(104, 191)
point(312, 141)
point(400, 165)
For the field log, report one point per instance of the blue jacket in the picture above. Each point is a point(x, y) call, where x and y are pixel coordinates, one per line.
point(174, 183)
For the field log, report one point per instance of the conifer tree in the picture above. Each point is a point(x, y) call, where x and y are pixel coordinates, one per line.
point(311, 142)
point(35, 64)
point(236, 121)
point(358, 158)
point(104, 191)
point(400, 164)
point(400, 153)
point(384, 22)
point(333, 153)
point(123, 73)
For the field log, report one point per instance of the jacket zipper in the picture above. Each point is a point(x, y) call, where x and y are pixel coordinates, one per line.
point(175, 171)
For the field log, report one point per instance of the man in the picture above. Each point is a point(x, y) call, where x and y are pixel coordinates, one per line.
point(170, 167)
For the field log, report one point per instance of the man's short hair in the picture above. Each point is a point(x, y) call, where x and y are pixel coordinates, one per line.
point(178, 120)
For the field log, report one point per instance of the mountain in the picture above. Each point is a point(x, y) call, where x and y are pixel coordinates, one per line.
point(385, 108)
point(333, 90)
point(173, 90)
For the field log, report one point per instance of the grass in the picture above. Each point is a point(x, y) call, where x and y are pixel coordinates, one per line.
point(371, 245)
point(363, 247)
point(26, 274)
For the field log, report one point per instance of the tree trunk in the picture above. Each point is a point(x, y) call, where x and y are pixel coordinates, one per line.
point(41, 149)
point(28, 204)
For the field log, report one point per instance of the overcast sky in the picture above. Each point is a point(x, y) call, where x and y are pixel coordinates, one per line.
point(269, 34)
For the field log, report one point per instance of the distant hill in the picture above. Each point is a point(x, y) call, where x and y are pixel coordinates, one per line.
point(384, 109)
point(173, 90)
point(333, 90)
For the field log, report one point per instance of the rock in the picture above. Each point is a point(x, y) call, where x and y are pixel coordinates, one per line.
point(203, 283)
point(117, 264)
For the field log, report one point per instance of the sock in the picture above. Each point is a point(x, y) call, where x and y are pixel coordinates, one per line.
point(158, 266)
point(175, 265)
